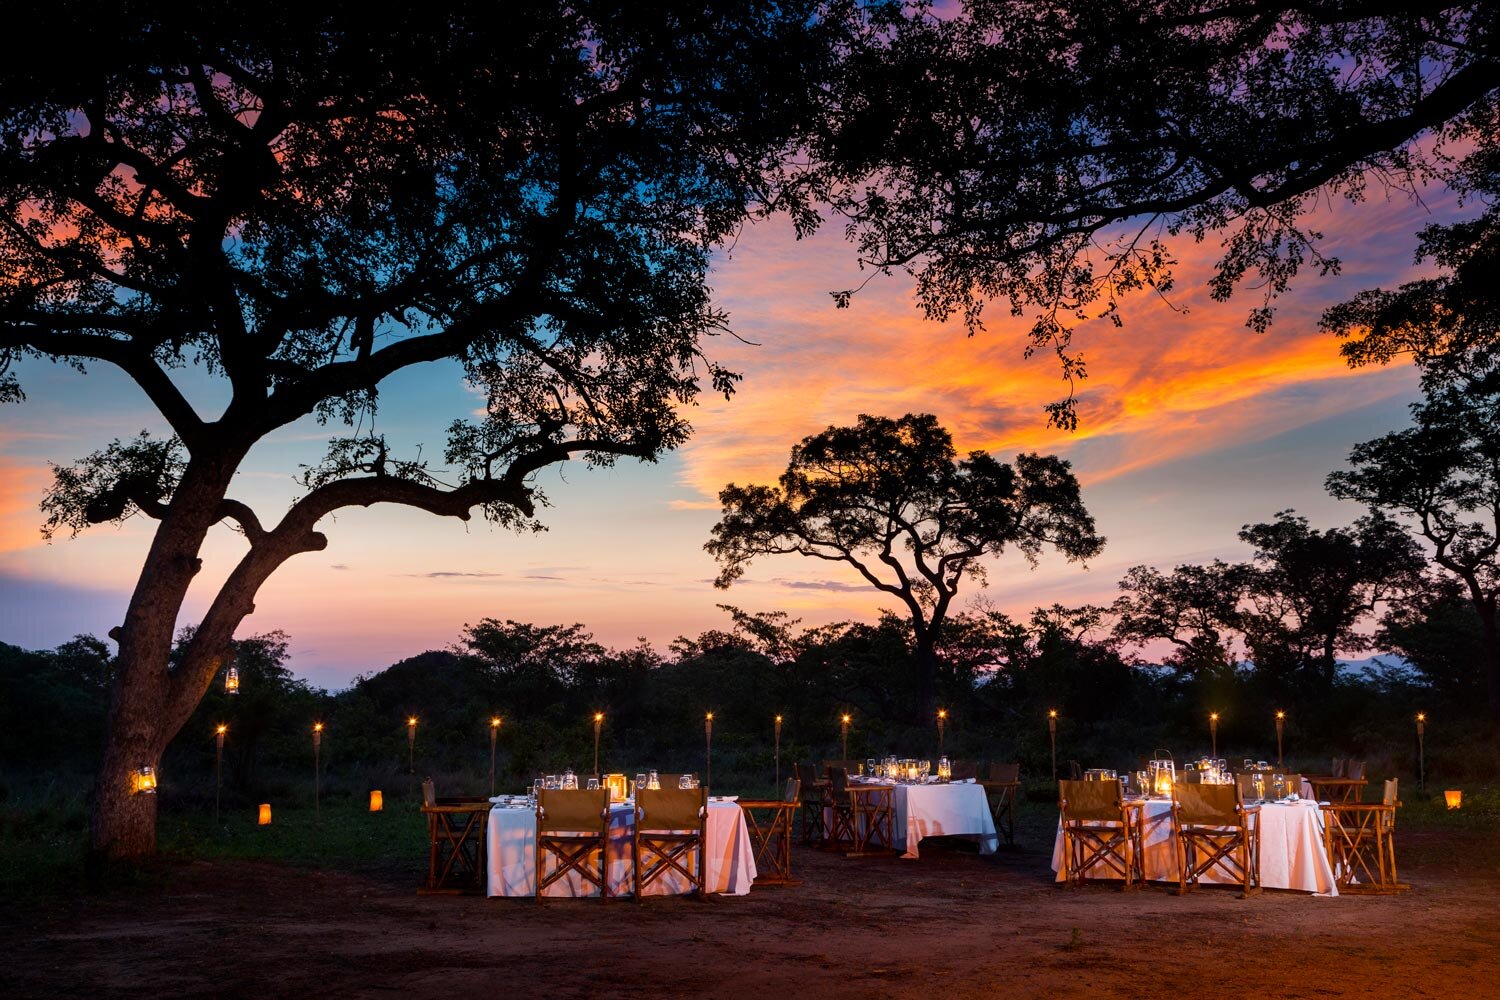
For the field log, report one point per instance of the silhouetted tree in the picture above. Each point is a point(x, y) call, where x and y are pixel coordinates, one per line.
point(1046, 155)
point(892, 499)
point(299, 203)
point(1442, 476)
point(1195, 608)
point(1308, 590)
point(1436, 630)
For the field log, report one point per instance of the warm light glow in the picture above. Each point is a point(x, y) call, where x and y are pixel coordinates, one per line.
point(599, 716)
point(1421, 716)
point(221, 729)
point(232, 681)
point(1281, 715)
point(1051, 713)
point(845, 720)
point(709, 717)
point(317, 727)
point(411, 722)
point(1454, 797)
point(143, 781)
point(942, 713)
point(377, 801)
point(778, 718)
point(1213, 716)
point(618, 785)
point(264, 819)
point(495, 722)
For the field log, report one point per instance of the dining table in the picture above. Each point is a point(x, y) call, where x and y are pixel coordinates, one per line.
point(1292, 850)
point(938, 809)
point(510, 855)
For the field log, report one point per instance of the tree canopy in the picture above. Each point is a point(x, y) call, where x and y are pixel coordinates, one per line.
point(1048, 156)
point(301, 202)
point(892, 499)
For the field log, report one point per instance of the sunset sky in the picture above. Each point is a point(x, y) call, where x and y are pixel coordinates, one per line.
point(1191, 427)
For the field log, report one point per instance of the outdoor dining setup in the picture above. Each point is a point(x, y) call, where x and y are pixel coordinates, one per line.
point(889, 806)
point(1254, 827)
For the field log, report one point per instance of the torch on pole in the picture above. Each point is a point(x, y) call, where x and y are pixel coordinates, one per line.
point(317, 772)
point(708, 750)
point(1052, 735)
point(494, 734)
point(844, 733)
point(1213, 734)
point(942, 723)
point(1421, 751)
point(411, 744)
point(1280, 727)
point(219, 732)
point(778, 751)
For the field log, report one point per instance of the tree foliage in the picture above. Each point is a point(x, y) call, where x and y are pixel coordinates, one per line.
point(1048, 157)
point(892, 499)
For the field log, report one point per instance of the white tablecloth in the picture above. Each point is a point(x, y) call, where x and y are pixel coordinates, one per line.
point(1292, 854)
point(510, 855)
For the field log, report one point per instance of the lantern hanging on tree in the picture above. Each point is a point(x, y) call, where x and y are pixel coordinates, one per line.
point(232, 680)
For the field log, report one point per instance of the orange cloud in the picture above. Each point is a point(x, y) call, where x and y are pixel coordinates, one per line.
point(1180, 378)
point(21, 487)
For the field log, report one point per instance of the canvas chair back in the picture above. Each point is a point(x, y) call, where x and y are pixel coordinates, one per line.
point(1246, 783)
point(1208, 805)
point(429, 793)
point(1075, 770)
point(808, 775)
point(1189, 778)
point(1004, 773)
point(962, 770)
point(665, 809)
point(571, 810)
point(1390, 796)
point(851, 766)
point(1092, 801)
point(1354, 769)
point(1340, 767)
point(793, 791)
point(838, 778)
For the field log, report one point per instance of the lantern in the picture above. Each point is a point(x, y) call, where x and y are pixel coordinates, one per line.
point(143, 780)
point(232, 680)
point(1454, 797)
point(618, 786)
point(1163, 775)
point(377, 801)
point(264, 817)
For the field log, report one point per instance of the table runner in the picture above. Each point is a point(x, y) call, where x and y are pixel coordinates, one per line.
point(510, 856)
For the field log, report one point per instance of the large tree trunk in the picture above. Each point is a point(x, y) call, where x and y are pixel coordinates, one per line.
point(1489, 620)
point(927, 671)
point(143, 714)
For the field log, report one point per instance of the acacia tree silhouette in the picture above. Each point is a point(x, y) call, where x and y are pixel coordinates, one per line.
point(298, 204)
point(892, 499)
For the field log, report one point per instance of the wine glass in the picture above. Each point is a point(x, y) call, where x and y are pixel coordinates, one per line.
point(593, 784)
point(640, 781)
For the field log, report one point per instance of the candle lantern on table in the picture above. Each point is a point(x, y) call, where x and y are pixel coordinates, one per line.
point(598, 724)
point(219, 732)
point(618, 786)
point(1213, 733)
point(1280, 727)
point(317, 771)
point(494, 736)
point(411, 744)
point(1052, 735)
point(1421, 751)
point(844, 733)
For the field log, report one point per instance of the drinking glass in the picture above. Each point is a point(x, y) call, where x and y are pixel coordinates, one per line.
point(640, 781)
point(870, 767)
point(593, 784)
point(653, 780)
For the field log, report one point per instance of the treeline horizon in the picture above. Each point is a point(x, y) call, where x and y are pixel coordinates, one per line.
point(998, 676)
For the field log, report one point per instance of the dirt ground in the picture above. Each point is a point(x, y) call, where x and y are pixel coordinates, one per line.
point(950, 925)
